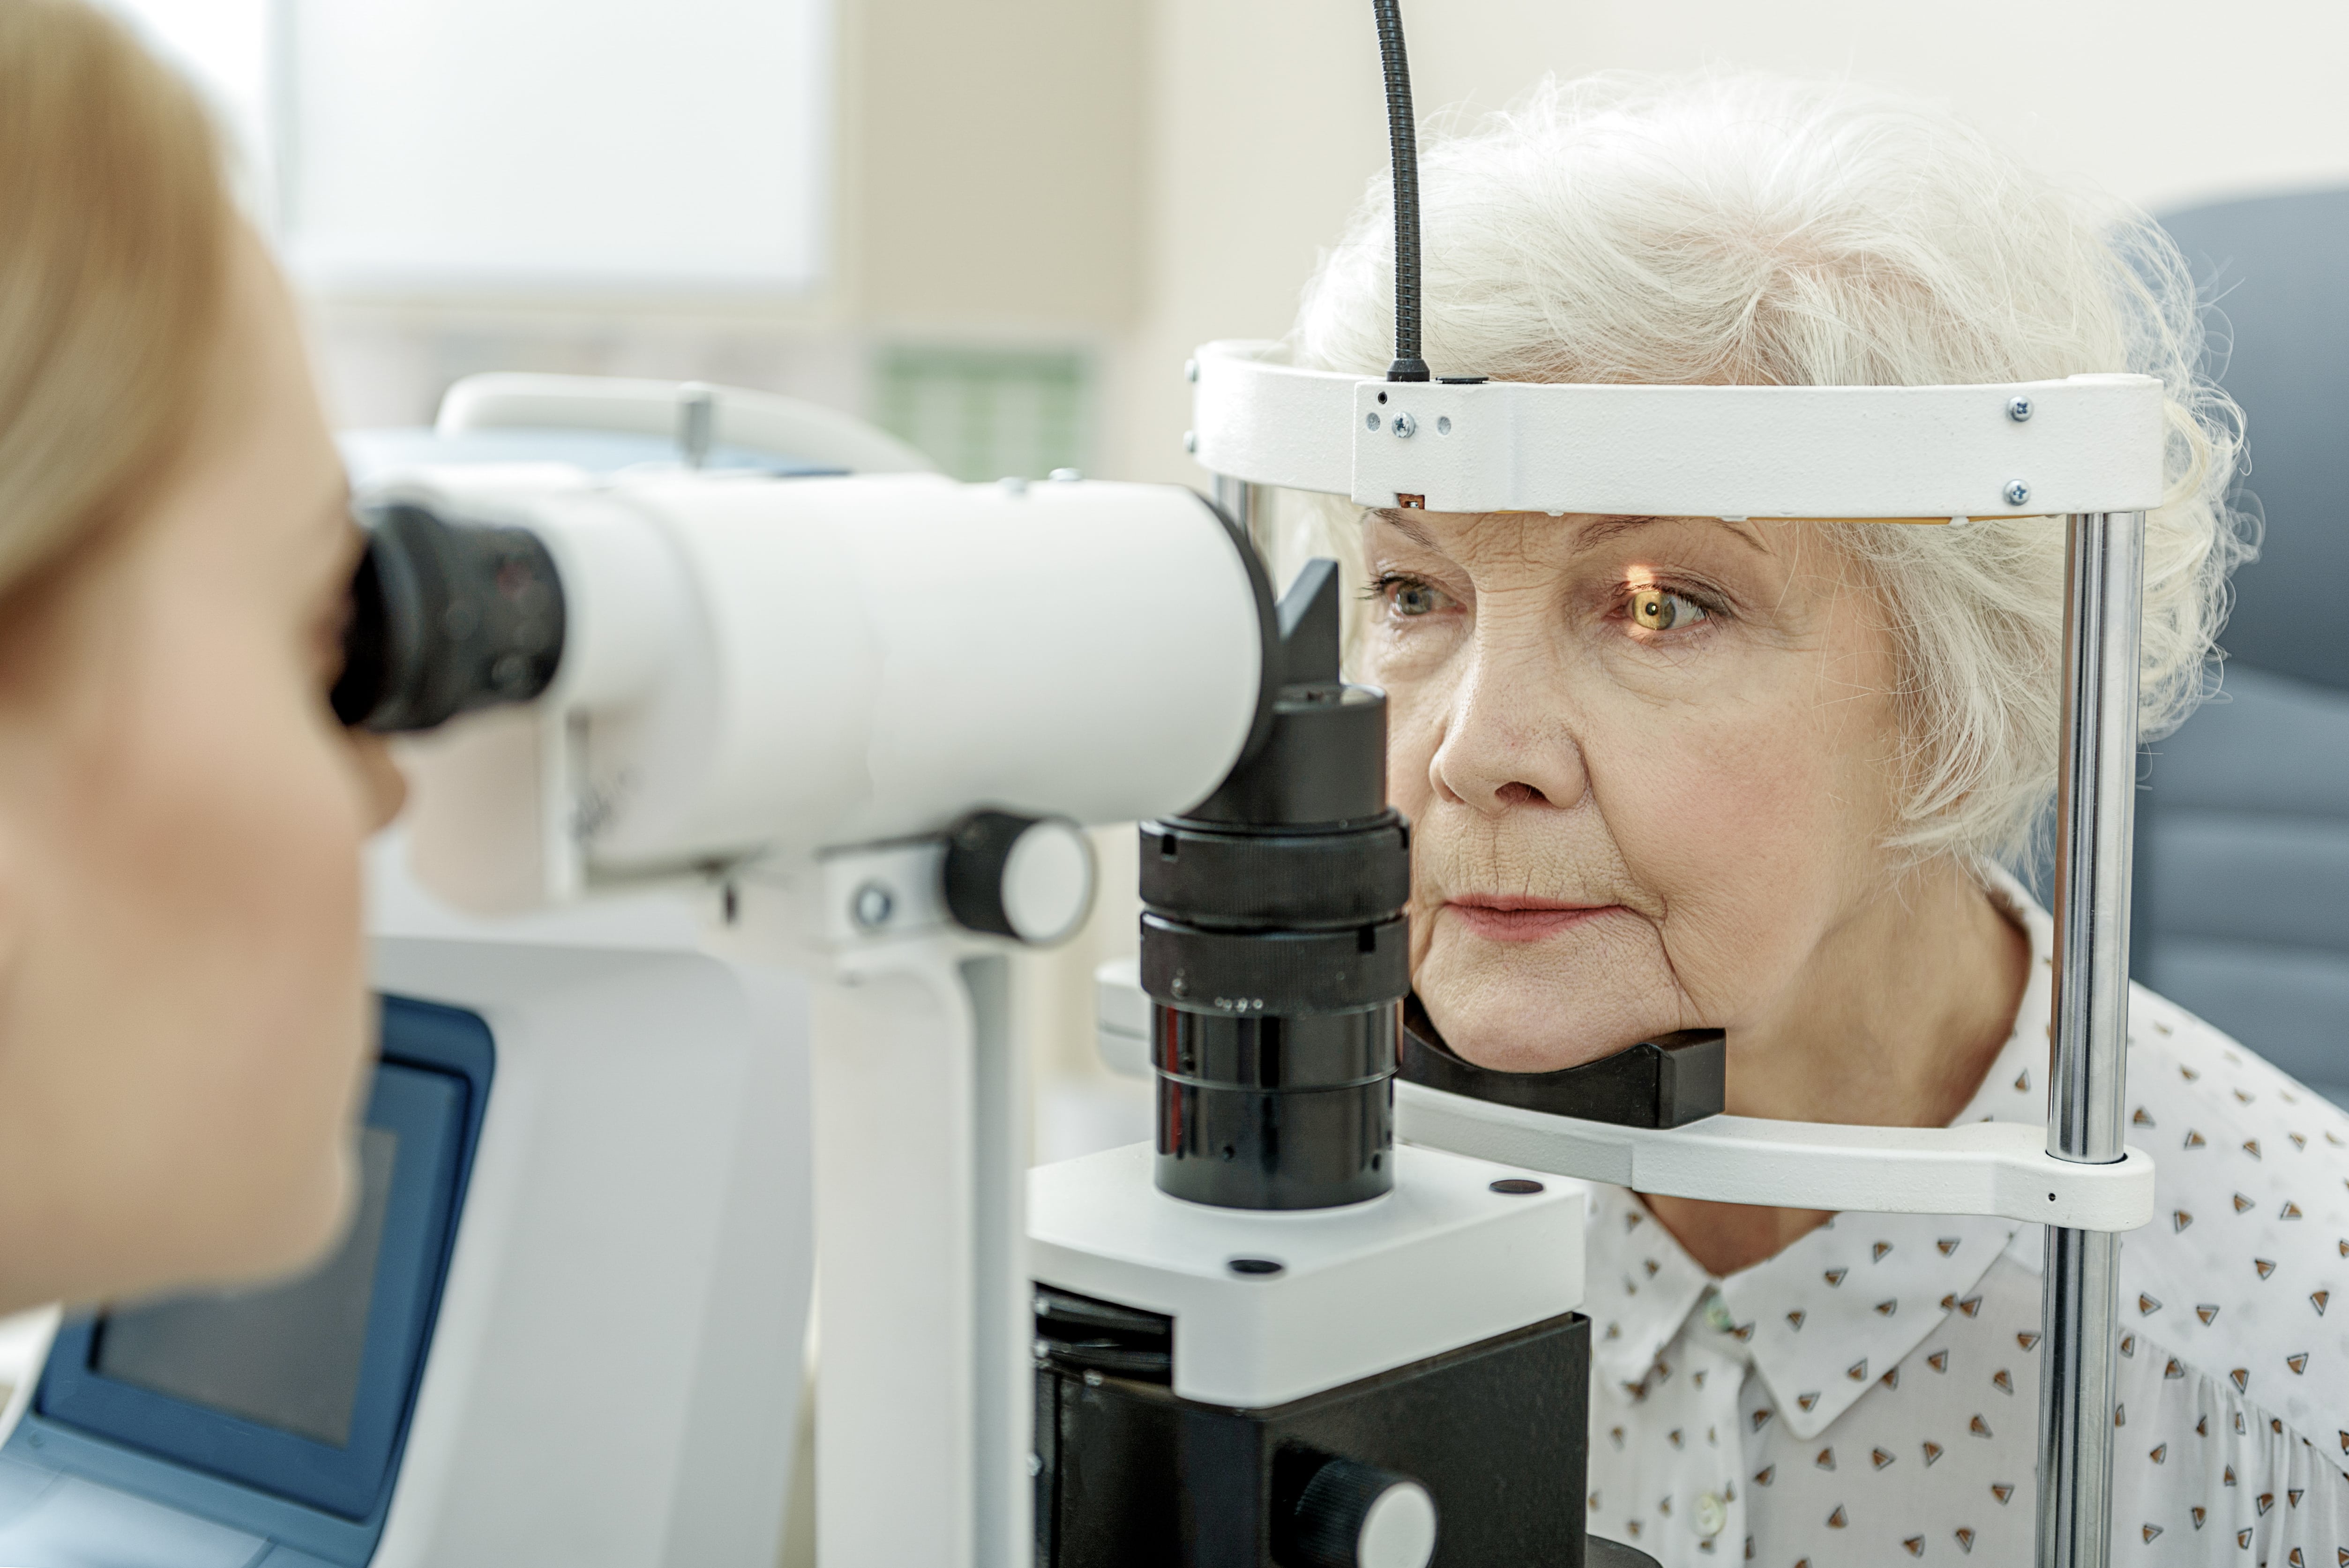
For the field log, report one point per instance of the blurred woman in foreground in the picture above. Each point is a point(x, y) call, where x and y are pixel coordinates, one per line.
point(183, 1018)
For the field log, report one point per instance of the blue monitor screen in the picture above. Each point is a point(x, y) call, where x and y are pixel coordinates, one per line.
point(288, 1356)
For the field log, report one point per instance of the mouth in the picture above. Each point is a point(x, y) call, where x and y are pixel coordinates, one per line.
point(1509, 919)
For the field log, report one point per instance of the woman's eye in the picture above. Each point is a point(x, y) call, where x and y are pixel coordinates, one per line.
point(1411, 598)
point(1661, 610)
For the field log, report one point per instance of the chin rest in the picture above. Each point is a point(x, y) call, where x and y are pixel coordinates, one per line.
point(1669, 1081)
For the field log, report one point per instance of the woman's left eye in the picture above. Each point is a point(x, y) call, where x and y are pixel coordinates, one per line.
point(1661, 610)
point(1415, 599)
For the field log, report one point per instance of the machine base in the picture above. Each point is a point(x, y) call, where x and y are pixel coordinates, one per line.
point(1132, 1476)
point(1462, 1250)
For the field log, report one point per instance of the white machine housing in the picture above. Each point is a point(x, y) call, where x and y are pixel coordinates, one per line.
point(613, 1375)
point(1445, 1260)
point(759, 668)
point(618, 1360)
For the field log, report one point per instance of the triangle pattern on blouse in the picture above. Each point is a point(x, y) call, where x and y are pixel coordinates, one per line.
point(1817, 1347)
point(2260, 1267)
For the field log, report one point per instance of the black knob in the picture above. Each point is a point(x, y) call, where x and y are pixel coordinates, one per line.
point(1353, 1515)
point(1025, 877)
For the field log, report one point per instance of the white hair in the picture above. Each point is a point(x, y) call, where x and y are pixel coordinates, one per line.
point(1735, 227)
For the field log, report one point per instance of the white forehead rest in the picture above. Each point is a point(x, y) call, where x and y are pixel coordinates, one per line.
point(2088, 443)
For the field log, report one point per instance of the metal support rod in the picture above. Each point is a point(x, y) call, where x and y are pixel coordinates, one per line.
point(1246, 505)
point(2096, 805)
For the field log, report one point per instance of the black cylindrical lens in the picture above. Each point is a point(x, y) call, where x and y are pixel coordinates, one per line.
point(1275, 949)
point(446, 617)
point(1283, 1112)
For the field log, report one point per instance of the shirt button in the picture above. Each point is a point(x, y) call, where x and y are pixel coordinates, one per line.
point(1711, 1515)
point(1716, 1312)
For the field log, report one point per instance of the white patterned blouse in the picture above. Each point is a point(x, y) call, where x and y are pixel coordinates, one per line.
point(1870, 1394)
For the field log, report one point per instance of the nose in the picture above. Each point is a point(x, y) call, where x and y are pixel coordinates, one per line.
point(383, 787)
point(1507, 742)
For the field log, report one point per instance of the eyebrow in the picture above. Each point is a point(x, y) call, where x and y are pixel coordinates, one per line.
point(1409, 530)
point(1606, 529)
point(1600, 532)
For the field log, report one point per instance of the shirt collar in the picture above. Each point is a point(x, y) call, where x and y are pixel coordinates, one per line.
point(1837, 1310)
point(1642, 1284)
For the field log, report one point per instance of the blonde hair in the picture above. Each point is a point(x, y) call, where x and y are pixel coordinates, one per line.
point(1744, 228)
point(114, 226)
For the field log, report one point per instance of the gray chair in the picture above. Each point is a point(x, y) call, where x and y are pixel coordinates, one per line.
point(2242, 858)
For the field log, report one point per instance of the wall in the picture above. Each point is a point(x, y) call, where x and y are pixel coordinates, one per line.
point(988, 187)
point(1268, 119)
point(1140, 175)
point(992, 162)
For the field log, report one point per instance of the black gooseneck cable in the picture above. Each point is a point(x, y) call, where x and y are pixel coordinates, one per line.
point(1403, 142)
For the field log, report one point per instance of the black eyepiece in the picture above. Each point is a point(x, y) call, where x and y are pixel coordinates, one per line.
point(446, 617)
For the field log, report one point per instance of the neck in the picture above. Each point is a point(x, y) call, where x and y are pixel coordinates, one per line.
point(1892, 1022)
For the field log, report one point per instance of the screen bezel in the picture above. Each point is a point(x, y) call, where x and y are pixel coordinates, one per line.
point(432, 1111)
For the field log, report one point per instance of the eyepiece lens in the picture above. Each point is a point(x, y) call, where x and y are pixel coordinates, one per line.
point(446, 617)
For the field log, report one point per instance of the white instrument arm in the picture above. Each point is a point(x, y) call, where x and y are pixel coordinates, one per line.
point(1997, 1168)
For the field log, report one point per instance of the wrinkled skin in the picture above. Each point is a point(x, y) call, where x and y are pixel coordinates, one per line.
point(1651, 764)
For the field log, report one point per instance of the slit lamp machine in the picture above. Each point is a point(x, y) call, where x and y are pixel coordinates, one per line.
point(1329, 1314)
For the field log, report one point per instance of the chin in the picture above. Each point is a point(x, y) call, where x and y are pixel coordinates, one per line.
point(290, 1229)
point(1530, 1007)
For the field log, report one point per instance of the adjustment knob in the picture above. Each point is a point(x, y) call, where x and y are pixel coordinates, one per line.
point(1025, 877)
point(1353, 1515)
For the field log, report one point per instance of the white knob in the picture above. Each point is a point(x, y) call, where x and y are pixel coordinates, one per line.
point(1019, 876)
point(1400, 1529)
point(1353, 1515)
point(1048, 881)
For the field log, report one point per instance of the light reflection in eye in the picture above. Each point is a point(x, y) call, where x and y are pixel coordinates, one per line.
point(1661, 610)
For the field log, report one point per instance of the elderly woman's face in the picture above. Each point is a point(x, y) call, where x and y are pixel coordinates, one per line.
point(1649, 762)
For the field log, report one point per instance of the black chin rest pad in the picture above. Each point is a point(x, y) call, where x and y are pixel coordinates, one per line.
point(1669, 1081)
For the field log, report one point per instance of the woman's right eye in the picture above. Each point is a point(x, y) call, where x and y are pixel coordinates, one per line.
point(1410, 597)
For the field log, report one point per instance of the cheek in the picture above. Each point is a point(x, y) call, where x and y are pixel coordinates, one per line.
point(1756, 820)
point(217, 847)
point(1414, 729)
point(244, 818)
point(248, 797)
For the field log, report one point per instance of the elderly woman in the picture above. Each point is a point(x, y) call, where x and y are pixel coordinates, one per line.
point(1670, 773)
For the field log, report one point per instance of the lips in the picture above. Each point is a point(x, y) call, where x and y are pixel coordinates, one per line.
point(1507, 919)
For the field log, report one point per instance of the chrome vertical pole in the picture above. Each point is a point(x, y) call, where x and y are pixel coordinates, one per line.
point(2096, 804)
